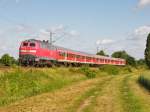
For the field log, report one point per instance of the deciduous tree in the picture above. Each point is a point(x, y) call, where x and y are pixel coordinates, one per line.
point(147, 51)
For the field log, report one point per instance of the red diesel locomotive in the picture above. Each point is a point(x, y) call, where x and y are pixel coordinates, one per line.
point(40, 53)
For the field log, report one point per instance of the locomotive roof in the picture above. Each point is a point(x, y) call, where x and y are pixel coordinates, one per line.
point(73, 51)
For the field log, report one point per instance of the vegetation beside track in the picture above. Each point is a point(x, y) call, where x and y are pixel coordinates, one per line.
point(18, 83)
point(130, 102)
point(21, 83)
point(96, 87)
point(144, 80)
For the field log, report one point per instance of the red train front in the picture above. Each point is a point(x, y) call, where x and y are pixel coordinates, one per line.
point(36, 52)
point(33, 52)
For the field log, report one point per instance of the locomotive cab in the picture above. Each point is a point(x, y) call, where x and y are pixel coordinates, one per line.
point(27, 52)
point(28, 47)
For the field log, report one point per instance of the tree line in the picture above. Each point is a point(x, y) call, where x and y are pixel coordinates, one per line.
point(124, 55)
point(129, 59)
point(8, 60)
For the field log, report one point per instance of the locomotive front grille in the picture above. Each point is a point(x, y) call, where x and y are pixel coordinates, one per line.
point(27, 59)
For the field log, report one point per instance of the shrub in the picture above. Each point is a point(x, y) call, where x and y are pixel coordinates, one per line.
point(88, 72)
point(144, 81)
point(126, 69)
point(7, 60)
point(110, 69)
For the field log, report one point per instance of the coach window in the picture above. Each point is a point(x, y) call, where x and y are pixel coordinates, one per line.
point(61, 54)
point(88, 58)
point(82, 57)
point(71, 55)
point(32, 44)
point(78, 56)
point(67, 55)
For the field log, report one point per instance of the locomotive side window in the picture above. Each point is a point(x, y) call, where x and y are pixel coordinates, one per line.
point(83, 57)
point(25, 44)
point(32, 44)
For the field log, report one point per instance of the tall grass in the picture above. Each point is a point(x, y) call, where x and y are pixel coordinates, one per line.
point(130, 102)
point(88, 72)
point(144, 81)
point(22, 83)
point(115, 70)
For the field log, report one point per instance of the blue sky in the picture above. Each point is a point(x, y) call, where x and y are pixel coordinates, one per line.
point(114, 25)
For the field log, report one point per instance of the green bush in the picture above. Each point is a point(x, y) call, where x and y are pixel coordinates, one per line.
point(110, 69)
point(88, 72)
point(144, 81)
point(126, 70)
point(7, 60)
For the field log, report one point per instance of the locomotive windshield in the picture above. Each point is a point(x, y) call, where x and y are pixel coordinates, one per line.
point(32, 44)
point(25, 44)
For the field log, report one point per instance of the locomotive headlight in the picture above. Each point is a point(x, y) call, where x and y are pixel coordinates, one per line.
point(28, 51)
point(32, 51)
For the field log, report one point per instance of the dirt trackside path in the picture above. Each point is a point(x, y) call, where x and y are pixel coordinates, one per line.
point(57, 101)
point(141, 93)
point(107, 100)
point(88, 97)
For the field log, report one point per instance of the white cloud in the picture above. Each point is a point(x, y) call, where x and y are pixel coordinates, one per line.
point(138, 41)
point(140, 33)
point(11, 37)
point(56, 28)
point(43, 31)
point(59, 31)
point(143, 3)
point(143, 30)
point(105, 41)
point(134, 44)
point(73, 33)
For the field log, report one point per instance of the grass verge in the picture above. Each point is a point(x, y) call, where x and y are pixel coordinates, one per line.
point(130, 102)
point(21, 83)
point(86, 101)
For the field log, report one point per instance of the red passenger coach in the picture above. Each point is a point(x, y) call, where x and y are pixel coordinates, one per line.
point(36, 52)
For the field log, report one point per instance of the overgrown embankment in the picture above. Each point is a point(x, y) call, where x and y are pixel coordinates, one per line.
point(21, 83)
